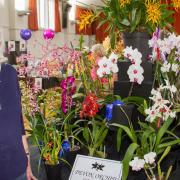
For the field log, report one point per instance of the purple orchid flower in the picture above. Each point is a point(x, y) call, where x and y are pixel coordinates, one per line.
point(68, 89)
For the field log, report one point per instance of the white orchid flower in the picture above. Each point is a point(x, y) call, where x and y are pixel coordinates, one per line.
point(103, 62)
point(175, 68)
point(150, 157)
point(137, 164)
point(113, 58)
point(166, 67)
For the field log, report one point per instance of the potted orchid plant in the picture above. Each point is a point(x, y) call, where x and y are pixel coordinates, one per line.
point(50, 143)
point(156, 136)
point(107, 66)
point(97, 69)
point(147, 143)
point(125, 108)
point(67, 115)
point(135, 19)
point(130, 16)
point(95, 128)
point(166, 57)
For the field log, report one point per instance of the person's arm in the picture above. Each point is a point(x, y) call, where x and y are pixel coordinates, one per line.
point(28, 170)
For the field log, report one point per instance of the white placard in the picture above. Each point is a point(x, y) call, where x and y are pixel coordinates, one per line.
point(22, 46)
point(11, 45)
point(38, 83)
point(91, 168)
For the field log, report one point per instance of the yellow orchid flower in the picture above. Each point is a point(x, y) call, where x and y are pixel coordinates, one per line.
point(124, 2)
point(176, 4)
point(153, 11)
point(85, 19)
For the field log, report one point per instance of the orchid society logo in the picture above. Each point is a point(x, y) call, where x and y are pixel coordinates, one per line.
point(98, 167)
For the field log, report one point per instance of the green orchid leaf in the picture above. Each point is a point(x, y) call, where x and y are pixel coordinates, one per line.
point(127, 158)
point(170, 143)
point(145, 137)
point(134, 100)
point(168, 172)
point(86, 134)
point(167, 150)
point(162, 131)
point(125, 22)
point(102, 22)
point(101, 139)
point(78, 95)
point(113, 40)
point(146, 126)
point(128, 131)
point(119, 139)
point(133, 14)
point(136, 21)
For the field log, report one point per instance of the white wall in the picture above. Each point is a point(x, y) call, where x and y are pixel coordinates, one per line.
point(12, 24)
point(4, 19)
point(90, 2)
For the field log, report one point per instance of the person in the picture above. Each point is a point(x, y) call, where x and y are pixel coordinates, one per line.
point(14, 153)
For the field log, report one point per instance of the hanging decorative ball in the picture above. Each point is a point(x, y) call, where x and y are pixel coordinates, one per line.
point(48, 34)
point(25, 34)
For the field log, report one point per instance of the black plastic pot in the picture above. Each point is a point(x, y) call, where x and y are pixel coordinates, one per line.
point(39, 171)
point(124, 66)
point(50, 82)
point(120, 114)
point(62, 170)
point(122, 89)
point(138, 40)
point(143, 90)
point(53, 172)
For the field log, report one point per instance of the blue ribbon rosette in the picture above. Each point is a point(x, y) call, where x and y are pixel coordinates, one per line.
point(109, 108)
point(66, 147)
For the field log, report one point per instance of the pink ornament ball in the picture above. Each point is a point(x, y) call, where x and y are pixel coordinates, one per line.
point(48, 34)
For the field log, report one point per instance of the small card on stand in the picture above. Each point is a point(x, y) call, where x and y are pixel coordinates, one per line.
point(38, 83)
point(22, 46)
point(11, 46)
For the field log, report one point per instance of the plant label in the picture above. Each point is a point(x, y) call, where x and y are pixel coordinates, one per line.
point(91, 168)
point(38, 83)
point(22, 46)
point(11, 46)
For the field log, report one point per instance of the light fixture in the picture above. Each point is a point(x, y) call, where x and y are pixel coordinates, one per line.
point(65, 10)
point(23, 13)
point(72, 2)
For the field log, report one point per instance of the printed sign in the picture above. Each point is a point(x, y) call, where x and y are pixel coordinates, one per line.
point(22, 46)
point(11, 45)
point(91, 168)
point(38, 83)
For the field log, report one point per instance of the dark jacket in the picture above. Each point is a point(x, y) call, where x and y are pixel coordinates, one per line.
point(13, 160)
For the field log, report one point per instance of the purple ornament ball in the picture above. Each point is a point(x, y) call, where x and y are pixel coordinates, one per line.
point(25, 34)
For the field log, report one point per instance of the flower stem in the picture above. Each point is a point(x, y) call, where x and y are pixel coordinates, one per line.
point(131, 88)
point(152, 174)
point(149, 178)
